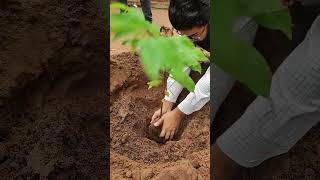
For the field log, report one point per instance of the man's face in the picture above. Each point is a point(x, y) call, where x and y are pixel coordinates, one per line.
point(196, 33)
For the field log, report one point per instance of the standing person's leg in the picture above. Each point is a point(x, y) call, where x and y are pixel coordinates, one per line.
point(146, 9)
point(271, 126)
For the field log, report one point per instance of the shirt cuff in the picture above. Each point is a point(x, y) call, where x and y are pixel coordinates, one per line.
point(186, 106)
point(171, 98)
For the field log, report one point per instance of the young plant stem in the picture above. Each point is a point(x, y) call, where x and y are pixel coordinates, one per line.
point(161, 108)
point(162, 99)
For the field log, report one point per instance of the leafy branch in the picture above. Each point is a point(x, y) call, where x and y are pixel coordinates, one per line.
point(157, 54)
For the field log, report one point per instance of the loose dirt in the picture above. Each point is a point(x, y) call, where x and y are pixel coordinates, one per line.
point(52, 55)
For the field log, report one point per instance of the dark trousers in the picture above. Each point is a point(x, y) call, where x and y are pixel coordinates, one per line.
point(146, 8)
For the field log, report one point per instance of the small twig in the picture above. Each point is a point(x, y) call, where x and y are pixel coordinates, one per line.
point(161, 108)
point(161, 100)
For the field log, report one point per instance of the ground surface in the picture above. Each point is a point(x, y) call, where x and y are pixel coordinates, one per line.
point(52, 57)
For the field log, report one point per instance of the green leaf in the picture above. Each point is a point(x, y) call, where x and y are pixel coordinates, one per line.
point(246, 64)
point(254, 7)
point(154, 83)
point(278, 20)
point(170, 54)
point(131, 24)
point(119, 6)
point(134, 44)
point(183, 78)
point(237, 57)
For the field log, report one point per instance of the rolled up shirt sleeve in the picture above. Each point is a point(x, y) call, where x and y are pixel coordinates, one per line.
point(174, 88)
point(197, 99)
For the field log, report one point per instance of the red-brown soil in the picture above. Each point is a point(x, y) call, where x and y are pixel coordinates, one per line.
point(134, 155)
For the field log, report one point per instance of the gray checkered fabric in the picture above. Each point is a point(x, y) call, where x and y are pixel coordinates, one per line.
point(271, 126)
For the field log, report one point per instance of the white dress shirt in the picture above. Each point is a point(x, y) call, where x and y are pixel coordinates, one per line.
point(195, 100)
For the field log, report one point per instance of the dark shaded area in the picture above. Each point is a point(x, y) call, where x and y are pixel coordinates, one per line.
point(53, 103)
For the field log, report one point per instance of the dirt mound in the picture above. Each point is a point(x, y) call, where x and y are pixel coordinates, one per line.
point(132, 104)
point(174, 173)
point(52, 57)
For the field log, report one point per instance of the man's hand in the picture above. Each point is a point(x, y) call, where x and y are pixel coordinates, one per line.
point(171, 122)
point(166, 107)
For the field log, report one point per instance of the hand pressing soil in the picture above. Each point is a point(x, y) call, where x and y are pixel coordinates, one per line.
point(153, 133)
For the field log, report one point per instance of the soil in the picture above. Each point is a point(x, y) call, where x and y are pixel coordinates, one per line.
point(133, 155)
point(153, 133)
point(52, 55)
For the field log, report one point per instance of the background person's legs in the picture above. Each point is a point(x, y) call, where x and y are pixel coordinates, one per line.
point(146, 9)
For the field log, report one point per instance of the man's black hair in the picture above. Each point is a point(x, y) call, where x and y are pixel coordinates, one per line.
point(186, 14)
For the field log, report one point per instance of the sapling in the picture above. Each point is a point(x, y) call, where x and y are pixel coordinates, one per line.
point(158, 54)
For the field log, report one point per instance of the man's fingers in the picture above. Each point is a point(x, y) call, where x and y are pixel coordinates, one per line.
point(172, 135)
point(154, 119)
point(167, 135)
point(155, 116)
point(163, 133)
point(159, 122)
